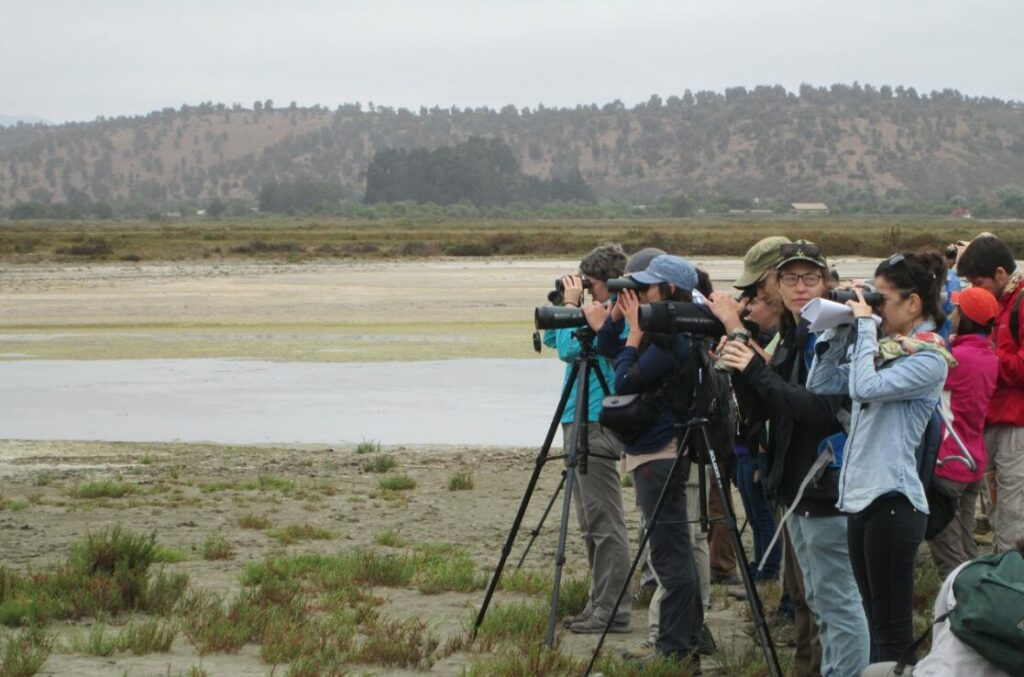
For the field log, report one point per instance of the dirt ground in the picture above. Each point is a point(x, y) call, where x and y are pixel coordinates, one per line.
point(42, 517)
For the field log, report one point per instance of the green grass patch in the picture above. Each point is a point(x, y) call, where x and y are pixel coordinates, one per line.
point(368, 447)
point(460, 481)
point(293, 533)
point(380, 463)
point(527, 582)
point(97, 643)
point(169, 554)
point(214, 487)
point(104, 489)
point(444, 568)
point(149, 636)
point(528, 659)
point(397, 483)
point(404, 643)
point(106, 574)
point(23, 654)
point(216, 547)
point(251, 521)
point(147, 459)
point(519, 622)
point(389, 538)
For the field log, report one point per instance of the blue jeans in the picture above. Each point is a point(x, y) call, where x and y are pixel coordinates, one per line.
point(682, 614)
point(759, 515)
point(820, 545)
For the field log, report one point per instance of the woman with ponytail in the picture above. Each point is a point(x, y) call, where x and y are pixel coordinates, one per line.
point(895, 383)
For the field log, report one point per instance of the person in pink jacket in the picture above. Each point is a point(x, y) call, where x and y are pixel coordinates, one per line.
point(969, 387)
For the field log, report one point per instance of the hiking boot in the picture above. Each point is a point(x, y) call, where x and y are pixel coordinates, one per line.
point(641, 653)
point(576, 618)
point(595, 626)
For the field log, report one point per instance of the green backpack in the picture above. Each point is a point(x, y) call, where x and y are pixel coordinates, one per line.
point(989, 611)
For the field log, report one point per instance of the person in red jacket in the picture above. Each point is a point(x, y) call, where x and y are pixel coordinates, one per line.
point(969, 387)
point(988, 263)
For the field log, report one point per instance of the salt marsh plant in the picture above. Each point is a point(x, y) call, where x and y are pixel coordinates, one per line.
point(216, 547)
point(23, 654)
point(251, 521)
point(293, 533)
point(390, 539)
point(460, 481)
point(397, 483)
point(380, 463)
point(104, 489)
point(368, 447)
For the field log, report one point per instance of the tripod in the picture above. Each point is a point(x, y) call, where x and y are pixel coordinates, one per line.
point(576, 454)
point(705, 456)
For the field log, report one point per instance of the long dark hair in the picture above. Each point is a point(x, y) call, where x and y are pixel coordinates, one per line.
point(923, 274)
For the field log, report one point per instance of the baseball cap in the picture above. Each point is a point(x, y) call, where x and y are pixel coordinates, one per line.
point(763, 256)
point(977, 304)
point(804, 251)
point(668, 268)
point(641, 259)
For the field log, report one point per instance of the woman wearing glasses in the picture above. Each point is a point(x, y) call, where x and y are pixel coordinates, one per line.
point(798, 422)
point(895, 383)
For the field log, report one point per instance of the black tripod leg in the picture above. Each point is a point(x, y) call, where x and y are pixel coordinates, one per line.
point(536, 530)
point(530, 486)
point(574, 455)
point(640, 549)
point(761, 632)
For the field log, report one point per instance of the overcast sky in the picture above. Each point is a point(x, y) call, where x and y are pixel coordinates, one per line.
point(76, 59)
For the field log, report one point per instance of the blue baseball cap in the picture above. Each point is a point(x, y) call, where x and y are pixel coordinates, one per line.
point(667, 268)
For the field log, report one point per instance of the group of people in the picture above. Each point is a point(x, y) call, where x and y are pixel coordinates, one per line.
point(827, 443)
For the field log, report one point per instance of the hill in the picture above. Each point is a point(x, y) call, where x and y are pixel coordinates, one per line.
point(847, 144)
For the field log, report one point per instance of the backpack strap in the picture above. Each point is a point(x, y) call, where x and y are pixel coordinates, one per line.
point(908, 654)
point(1015, 317)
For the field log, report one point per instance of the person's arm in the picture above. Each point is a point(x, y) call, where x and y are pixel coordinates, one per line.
point(566, 343)
point(827, 376)
point(911, 378)
point(637, 372)
point(611, 338)
point(796, 401)
point(550, 338)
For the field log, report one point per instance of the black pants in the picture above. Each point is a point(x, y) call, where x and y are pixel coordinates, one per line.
point(682, 614)
point(883, 542)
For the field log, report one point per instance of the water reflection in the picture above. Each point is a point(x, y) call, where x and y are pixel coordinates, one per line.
point(489, 402)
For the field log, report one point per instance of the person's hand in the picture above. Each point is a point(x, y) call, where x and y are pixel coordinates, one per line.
point(629, 305)
point(596, 314)
point(573, 293)
point(727, 309)
point(860, 306)
point(737, 355)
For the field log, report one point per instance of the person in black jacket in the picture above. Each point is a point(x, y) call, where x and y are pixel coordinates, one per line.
point(799, 424)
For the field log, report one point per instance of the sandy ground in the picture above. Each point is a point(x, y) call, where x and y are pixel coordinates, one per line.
point(321, 312)
point(332, 491)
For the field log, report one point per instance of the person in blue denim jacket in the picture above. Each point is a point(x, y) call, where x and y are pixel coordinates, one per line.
point(895, 384)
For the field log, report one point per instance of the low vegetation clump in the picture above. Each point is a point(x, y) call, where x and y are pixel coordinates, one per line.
point(23, 653)
point(216, 547)
point(106, 574)
point(104, 489)
point(460, 481)
point(368, 447)
point(293, 533)
point(380, 463)
point(389, 538)
point(251, 521)
point(397, 483)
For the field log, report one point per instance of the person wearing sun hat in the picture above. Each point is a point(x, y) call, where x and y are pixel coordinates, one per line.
point(969, 387)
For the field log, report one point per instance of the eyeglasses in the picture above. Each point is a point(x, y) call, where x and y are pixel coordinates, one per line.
point(803, 250)
point(809, 279)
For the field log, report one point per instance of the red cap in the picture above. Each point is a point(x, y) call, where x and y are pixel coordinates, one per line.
point(977, 304)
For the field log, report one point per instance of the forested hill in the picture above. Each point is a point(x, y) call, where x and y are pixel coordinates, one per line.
point(815, 144)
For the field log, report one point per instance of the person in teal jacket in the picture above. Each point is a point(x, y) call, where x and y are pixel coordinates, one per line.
point(597, 493)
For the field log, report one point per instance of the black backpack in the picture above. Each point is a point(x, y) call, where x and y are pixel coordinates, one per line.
point(941, 506)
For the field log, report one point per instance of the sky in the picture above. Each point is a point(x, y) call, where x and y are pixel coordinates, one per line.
point(74, 60)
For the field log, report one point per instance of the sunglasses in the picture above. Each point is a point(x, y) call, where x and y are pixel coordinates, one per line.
point(800, 249)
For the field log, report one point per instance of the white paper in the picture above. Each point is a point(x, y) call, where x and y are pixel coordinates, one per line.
point(824, 314)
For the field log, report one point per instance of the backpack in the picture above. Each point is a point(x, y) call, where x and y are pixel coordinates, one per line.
point(989, 611)
point(941, 506)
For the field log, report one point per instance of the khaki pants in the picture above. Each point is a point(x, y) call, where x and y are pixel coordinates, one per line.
point(1005, 445)
point(598, 498)
point(722, 554)
point(955, 545)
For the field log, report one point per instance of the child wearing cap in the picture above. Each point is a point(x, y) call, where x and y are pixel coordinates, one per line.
point(969, 387)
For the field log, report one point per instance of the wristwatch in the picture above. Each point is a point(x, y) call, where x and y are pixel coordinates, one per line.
point(739, 335)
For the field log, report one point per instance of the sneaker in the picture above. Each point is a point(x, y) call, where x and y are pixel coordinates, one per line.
point(729, 579)
point(595, 626)
point(736, 592)
point(641, 653)
point(576, 618)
